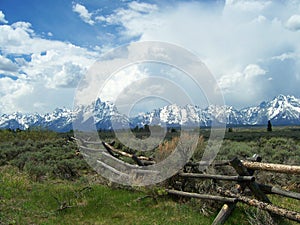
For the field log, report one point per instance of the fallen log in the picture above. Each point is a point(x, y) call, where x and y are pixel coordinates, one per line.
point(279, 168)
point(217, 177)
point(292, 215)
point(111, 148)
point(201, 196)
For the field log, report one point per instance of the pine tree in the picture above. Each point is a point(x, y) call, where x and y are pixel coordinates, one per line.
point(269, 126)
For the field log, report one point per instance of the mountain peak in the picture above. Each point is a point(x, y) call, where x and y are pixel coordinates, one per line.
point(282, 110)
point(286, 98)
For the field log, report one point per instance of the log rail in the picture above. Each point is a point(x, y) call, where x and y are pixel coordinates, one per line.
point(245, 170)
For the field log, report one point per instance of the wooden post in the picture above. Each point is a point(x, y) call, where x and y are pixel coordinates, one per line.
point(242, 171)
point(253, 186)
point(224, 213)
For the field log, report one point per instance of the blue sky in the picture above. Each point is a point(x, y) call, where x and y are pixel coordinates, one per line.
point(251, 47)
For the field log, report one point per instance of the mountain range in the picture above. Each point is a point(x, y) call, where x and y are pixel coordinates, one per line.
point(282, 110)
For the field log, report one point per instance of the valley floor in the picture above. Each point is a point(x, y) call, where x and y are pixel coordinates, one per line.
point(44, 181)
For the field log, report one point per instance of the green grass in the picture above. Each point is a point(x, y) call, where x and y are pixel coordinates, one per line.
point(25, 202)
point(40, 173)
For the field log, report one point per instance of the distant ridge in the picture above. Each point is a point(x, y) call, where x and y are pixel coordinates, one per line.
point(282, 110)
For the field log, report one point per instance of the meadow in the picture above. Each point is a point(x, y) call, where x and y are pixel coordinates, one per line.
point(43, 180)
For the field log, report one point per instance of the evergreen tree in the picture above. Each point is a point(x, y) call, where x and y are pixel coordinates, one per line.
point(269, 128)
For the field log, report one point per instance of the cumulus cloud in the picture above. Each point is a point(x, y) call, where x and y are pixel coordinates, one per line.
point(83, 13)
point(142, 7)
point(236, 41)
point(13, 94)
point(247, 44)
point(253, 70)
point(41, 66)
point(138, 16)
point(245, 85)
point(2, 18)
point(247, 5)
point(7, 66)
point(293, 23)
point(229, 82)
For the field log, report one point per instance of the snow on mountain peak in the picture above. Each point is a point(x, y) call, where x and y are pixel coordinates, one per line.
point(281, 110)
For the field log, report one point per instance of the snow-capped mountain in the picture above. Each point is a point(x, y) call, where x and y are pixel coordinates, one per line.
point(282, 110)
point(172, 115)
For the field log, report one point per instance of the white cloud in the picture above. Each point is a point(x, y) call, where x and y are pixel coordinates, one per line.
point(19, 38)
point(2, 18)
point(83, 13)
point(245, 44)
point(247, 5)
point(293, 23)
point(7, 66)
point(68, 76)
point(285, 56)
point(232, 41)
point(253, 70)
point(138, 16)
point(48, 75)
point(229, 82)
point(244, 86)
point(14, 94)
point(142, 7)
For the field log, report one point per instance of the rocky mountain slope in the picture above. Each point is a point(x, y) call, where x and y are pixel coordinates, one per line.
point(282, 110)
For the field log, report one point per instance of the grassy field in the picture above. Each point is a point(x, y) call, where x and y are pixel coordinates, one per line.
point(44, 181)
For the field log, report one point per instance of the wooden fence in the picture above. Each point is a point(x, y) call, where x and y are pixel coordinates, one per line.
point(245, 179)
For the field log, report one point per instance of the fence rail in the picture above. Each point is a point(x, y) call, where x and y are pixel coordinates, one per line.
point(244, 178)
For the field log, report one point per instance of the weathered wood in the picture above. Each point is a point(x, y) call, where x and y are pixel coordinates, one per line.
point(147, 163)
point(274, 190)
point(279, 168)
point(111, 152)
point(242, 171)
point(253, 186)
point(201, 196)
point(113, 170)
point(207, 163)
point(111, 148)
point(254, 158)
point(137, 160)
point(134, 170)
point(217, 177)
point(87, 149)
point(224, 213)
point(292, 215)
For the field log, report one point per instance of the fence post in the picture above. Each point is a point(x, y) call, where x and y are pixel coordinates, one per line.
point(224, 213)
point(253, 186)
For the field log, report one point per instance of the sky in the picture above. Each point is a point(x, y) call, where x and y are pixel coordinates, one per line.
point(251, 47)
